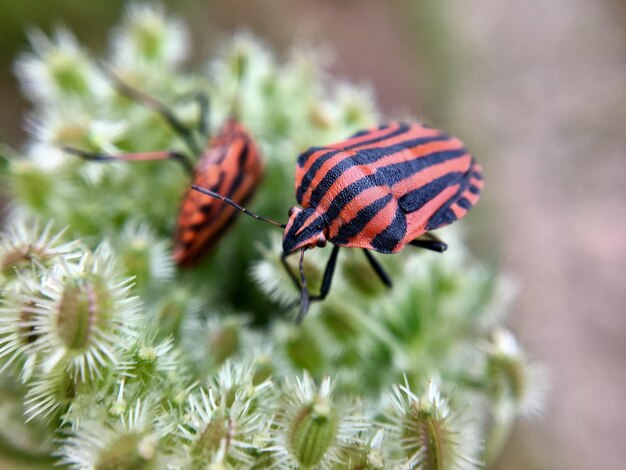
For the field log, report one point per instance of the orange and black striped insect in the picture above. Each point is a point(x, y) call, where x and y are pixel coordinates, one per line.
point(380, 189)
point(230, 165)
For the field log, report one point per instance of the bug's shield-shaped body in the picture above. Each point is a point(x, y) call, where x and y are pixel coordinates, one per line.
point(381, 188)
point(231, 165)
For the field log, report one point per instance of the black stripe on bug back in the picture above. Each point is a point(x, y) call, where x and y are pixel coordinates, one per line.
point(360, 220)
point(389, 174)
point(387, 240)
point(402, 128)
point(387, 177)
point(369, 131)
point(309, 176)
point(464, 203)
point(415, 200)
point(445, 215)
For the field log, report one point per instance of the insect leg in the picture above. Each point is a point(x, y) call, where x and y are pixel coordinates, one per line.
point(430, 242)
point(378, 268)
point(134, 157)
point(305, 297)
point(292, 276)
point(328, 275)
point(304, 291)
point(157, 106)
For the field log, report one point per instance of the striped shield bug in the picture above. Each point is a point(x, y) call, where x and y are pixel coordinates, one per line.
point(380, 189)
point(230, 164)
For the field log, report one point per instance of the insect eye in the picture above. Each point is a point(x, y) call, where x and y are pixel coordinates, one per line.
point(291, 211)
point(321, 243)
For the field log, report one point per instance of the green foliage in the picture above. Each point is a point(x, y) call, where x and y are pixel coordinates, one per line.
point(127, 362)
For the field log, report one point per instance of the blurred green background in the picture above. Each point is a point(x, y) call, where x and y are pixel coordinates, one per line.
point(537, 90)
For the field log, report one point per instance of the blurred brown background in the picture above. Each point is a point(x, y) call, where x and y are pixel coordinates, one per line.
point(538, 91)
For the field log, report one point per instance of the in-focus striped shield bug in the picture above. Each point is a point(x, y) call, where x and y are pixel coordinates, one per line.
point(380, 189)
point(230, 165)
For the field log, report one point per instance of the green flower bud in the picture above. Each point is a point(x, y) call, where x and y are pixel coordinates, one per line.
point(122, 444)
point(57, 68)
point(312, 430)
point(85, 305)
point(85, 316)
point(427, 431)
point(516, 385)
point(26, 245)
point(220, 429)
point(148, 35)
point(144, 256)
point(50, 395)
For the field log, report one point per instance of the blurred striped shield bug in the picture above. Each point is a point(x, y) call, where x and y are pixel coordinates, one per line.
point(230, 164)
point(380, 189)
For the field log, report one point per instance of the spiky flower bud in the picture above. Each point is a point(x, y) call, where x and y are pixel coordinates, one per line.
point(516, 385)
point(129, 442)
point(143, 255)
point(85, 315)
point(223, 421)
point(17, 330)
point(312, 427)
point(428, 431)
point(313, 430)
point(26, 245)
point(365, 454)
point(177, 307)
point(150, 363)
point(52, 392)
point(149, 36)
point(58, 68)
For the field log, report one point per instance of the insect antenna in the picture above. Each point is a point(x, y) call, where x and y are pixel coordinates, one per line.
point(232, 203)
